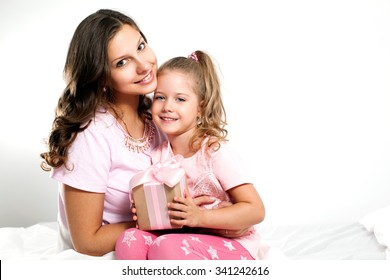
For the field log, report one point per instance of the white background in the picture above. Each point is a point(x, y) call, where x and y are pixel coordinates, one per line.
point(306, 87)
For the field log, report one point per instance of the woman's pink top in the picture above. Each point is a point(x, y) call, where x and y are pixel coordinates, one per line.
point(101, 163)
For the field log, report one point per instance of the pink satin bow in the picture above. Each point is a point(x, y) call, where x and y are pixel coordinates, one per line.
point(168, 172)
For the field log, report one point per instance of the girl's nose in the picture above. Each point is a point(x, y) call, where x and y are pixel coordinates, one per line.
point(167, 106)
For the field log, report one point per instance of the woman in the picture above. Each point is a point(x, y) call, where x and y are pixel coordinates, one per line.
point(102, 132)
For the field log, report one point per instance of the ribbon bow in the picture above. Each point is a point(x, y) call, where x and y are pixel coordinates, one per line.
point(168, 172)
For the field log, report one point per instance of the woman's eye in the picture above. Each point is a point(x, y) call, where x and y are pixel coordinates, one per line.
point(141, 46)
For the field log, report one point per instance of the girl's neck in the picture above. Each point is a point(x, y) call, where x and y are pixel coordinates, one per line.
point(180, 145)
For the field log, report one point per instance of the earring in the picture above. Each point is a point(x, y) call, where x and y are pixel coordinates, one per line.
point(198, 121)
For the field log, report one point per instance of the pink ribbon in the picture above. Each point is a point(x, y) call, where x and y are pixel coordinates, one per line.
point(153, 179)
point(168, 172)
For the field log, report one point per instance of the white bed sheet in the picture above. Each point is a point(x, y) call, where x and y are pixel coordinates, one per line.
point(309, 242)
point(325, 242)
point(37, 242)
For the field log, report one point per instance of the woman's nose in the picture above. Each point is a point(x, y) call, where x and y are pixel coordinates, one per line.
point(143, 66)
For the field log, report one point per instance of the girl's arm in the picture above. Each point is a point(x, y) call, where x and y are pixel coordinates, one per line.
point(84, 212)
point(247, 210)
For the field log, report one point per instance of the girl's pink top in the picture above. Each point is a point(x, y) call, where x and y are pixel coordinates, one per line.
point(214, 174)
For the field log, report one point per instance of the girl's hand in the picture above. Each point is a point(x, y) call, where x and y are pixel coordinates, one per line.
point(185, 212)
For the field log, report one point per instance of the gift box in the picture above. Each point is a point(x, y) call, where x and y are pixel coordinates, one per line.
point(152, 189)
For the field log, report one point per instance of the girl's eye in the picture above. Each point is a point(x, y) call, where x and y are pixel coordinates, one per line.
point(158, 97)
point(180, 99)
point(121, 63)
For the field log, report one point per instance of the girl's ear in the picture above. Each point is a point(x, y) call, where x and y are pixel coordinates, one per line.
point(200, 106)
point(199, 115)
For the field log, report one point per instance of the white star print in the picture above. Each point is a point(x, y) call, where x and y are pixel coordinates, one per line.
point(186, 251)
point(243, 258)
point(229, 245)
point(213, 253)
point(129, 236)
point(195, 239)
point(185, 243)
point(159, 239)
point(148, 240)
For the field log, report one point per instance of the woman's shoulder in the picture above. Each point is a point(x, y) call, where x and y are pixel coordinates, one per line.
point(102, 119)
point(102, 128)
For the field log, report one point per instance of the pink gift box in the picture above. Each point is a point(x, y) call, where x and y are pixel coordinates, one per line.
point(152, 189)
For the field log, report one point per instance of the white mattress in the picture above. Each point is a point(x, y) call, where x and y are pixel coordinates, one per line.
point(309, 242)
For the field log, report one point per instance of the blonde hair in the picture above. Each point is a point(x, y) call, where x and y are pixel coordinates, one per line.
point(206, 85)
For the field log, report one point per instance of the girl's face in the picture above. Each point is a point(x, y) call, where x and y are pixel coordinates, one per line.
point(133, 64)
point(175, 105)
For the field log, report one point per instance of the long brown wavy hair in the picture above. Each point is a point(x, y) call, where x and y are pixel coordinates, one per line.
point(86, 74)
point(206, 84)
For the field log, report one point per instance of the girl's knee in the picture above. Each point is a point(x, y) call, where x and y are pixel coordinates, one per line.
point(133, 244)
point(164, 247)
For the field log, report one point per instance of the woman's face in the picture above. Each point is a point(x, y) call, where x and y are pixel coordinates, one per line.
point(133, 64)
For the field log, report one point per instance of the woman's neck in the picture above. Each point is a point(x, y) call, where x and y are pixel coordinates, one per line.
point(127, 105)
point(126, 112)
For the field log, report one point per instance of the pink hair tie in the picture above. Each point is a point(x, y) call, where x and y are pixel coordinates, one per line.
point(193, 56)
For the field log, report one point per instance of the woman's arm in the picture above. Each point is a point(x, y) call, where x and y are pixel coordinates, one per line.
point(247, 210)
point(84, 212)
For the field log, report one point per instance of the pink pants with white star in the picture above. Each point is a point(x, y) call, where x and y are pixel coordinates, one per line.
point(135, 244)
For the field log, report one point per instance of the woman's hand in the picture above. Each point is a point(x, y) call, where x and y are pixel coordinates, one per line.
point(133, 211)
point(229, 233)
point(203, 200)
point(224, 232)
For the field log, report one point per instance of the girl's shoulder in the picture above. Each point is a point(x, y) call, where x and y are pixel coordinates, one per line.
point(213, 145)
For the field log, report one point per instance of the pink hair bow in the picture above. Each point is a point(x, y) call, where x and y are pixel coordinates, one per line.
point(193, 56)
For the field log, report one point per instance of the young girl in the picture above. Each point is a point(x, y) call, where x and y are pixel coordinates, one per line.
point(188, 108)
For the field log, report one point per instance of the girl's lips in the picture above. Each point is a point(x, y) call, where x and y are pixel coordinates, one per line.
point(168, 119)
